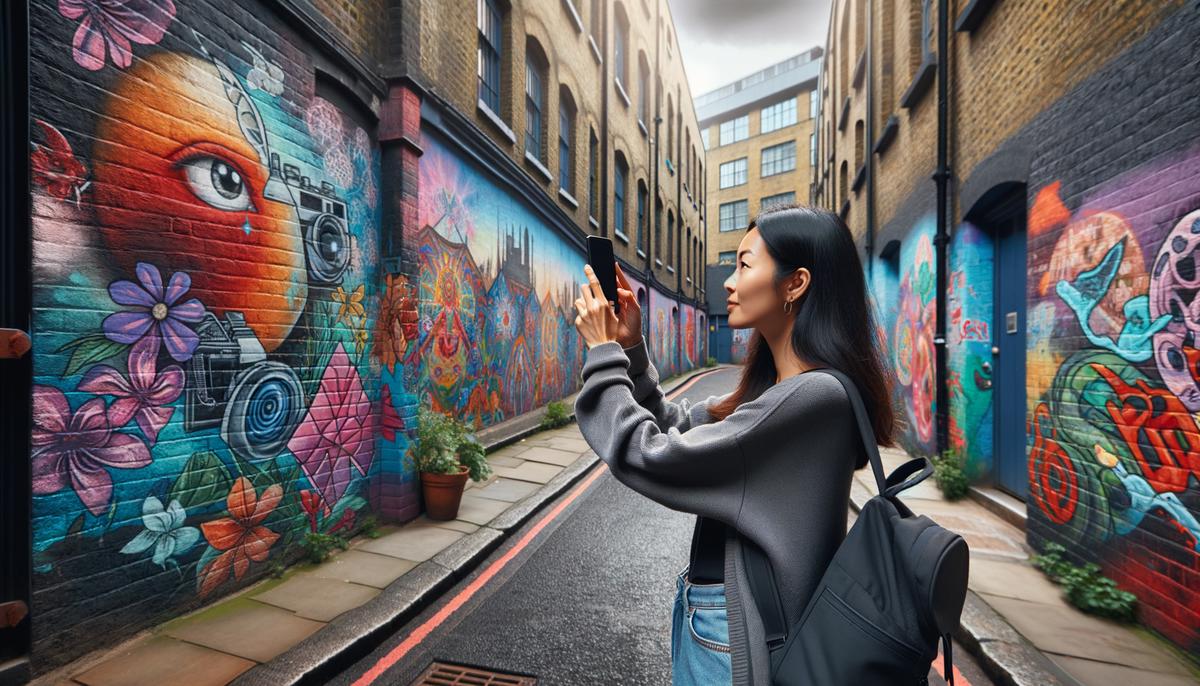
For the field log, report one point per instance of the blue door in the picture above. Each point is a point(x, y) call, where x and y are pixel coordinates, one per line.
point(1008, 350)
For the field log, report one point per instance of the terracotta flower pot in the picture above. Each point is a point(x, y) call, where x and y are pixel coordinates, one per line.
point(443, 493)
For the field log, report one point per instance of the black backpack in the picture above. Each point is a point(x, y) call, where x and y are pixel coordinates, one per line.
point(895, 586)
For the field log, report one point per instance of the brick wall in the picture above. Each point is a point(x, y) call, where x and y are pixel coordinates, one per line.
point(206, 292)
point(1084, 109)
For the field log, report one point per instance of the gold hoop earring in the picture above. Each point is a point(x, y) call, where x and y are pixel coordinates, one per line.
point(787, 307)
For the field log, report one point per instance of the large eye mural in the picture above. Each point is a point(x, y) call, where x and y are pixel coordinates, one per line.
point(205, 388)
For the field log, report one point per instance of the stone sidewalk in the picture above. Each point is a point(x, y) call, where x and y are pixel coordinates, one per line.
point(1018, 623)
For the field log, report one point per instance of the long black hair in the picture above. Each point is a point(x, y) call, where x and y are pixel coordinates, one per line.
point(834, 323)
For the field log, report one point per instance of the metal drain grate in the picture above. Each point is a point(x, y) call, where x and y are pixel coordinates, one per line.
point(444, 674)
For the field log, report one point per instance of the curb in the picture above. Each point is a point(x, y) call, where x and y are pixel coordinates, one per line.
point(353, 634)
point(1007, 657)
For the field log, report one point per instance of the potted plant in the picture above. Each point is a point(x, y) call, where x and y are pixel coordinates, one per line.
point(446, 455)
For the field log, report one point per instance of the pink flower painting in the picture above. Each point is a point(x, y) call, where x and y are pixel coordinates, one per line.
point(109, 27)
point(74, 448)
point(145, 396)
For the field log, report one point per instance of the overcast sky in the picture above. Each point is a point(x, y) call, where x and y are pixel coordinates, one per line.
point(724, 40)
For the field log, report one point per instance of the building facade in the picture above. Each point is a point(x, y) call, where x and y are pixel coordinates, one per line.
point(1030, 255)
point(265, 232)
point(759, 136)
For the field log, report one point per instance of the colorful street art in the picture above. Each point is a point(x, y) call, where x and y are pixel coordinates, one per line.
point(1114, 467)
point(908, 319)
point(496, 299)
point(969, 349)
point(205, 286)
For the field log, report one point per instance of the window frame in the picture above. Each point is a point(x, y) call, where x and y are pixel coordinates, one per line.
point(486, 92)
point(789, 144)
point(733, 205)
point(734, 174)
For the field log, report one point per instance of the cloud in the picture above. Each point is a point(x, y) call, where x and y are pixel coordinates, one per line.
point(725, 40)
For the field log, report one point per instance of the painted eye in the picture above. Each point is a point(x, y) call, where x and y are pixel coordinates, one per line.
point(218, 183)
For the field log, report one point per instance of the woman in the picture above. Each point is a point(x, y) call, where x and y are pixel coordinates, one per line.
point(767, 466)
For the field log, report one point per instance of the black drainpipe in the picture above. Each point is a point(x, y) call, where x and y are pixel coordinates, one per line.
point(605, 88)
point(869, 143)
point(942, 177)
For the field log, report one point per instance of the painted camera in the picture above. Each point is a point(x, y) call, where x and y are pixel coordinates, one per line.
point(257, 403)
point(323, 222)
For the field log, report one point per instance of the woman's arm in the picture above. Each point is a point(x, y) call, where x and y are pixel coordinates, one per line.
point(649, 394)
point(701, 471)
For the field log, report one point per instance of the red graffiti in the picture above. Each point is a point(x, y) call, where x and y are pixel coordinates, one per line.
point(974, 330)
point(1158, 430)
point(1054, 485)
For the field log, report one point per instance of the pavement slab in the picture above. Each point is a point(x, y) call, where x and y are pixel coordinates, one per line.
point(362, 567)
point(313, 597)
point(252, 630)
point(535, 472)
point(166, 662)
point(508, 490)
point(418, 543)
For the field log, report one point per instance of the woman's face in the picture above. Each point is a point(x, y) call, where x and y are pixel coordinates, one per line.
point(754, 300)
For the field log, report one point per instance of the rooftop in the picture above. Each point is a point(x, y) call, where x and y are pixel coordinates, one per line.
point(778, 77)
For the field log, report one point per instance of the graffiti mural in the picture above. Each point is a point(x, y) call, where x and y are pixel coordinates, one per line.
point(205, 286)
point(969, 346)
point(908, 319)
point(1115, 464)
point(496, 335)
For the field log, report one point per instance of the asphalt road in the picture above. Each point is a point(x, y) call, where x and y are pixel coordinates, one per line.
point(581, 595)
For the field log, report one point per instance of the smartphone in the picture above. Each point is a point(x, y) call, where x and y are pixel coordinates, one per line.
point(600, 256)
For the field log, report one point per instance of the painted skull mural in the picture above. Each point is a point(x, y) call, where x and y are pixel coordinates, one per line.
point(206, 389)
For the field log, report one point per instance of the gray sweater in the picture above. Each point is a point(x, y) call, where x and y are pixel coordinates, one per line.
point(777, 471)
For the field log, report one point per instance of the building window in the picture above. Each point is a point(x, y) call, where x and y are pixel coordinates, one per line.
point(670, 124)
point(813, 104)
point(735, 215)
point(622, 172)
point(733, 173)
point(621, 47)
point(489, 54)
point(641, 215)
point(778, 159)
point(566, 137)
point(593, 192)
point(812, 149)
point(535, 99)
point(643, 89)
point(735, 130)
point(777, 116)
point(777, 199)
point(670, 238)
point(658, 228)
point(594, 20)
point(726, 257)
point(704, 138)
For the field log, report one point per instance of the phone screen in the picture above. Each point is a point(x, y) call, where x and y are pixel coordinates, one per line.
point(600, 256)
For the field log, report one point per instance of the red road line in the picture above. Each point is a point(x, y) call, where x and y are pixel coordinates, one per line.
point(422, 632)
point(937, 667)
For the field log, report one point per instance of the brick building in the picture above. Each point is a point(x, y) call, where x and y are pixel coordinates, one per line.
point(1030, 301)
point(259, 235)
point(759, 136)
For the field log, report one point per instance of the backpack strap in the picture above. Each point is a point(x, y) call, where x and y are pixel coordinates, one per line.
point(947, 663)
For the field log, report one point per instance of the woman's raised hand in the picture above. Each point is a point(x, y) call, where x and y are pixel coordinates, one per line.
point(629, 320)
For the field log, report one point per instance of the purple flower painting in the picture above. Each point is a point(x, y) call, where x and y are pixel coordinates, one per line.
point(337, 431)
point(160, 311)
point(74, 448)
point(145, 396)
point(108, 27)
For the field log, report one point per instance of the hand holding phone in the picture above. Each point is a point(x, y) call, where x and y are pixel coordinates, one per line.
point(600, 256)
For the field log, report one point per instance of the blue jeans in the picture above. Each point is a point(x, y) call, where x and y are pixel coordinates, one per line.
point(699, 635)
